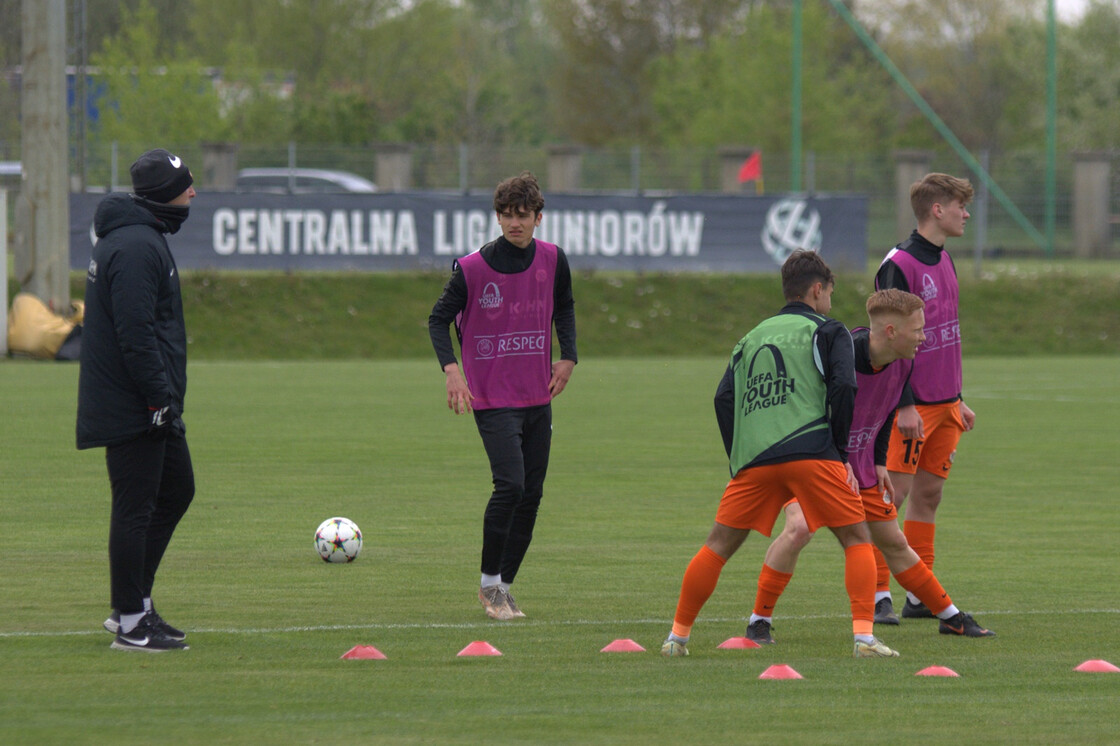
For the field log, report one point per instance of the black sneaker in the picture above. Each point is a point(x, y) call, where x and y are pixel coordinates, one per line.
point(916, 611)
point(158, 621)
point(884, 612)
point(113, 625)
point(964, 625)
point(759, 632)
point(147, 638)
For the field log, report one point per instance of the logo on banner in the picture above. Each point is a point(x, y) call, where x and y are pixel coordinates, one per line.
point(791, 225)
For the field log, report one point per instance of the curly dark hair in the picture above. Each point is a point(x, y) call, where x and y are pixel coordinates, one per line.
point(521, 192)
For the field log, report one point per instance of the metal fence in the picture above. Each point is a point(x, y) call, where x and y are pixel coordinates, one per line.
point(633, 170)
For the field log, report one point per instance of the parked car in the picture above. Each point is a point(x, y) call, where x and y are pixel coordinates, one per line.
point(10, 174)
point(301, 181)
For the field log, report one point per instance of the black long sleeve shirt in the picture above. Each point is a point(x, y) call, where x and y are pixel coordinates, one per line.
point(504, 257)
point(834, 345)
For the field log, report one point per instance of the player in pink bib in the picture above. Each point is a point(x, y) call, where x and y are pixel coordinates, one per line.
point(504, 301)
point(932, 416)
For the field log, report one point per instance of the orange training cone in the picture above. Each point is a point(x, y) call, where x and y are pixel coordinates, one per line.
point(937, 671)
point(623, 646)
point(780, 672)
point(479, 647)
point(738, 643)
point(363, 652)
point(1097, 666)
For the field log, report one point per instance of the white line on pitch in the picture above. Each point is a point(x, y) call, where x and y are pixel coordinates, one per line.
point(513, 625)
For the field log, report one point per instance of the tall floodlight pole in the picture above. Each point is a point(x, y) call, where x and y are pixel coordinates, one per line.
point(795, 96)
point(1051, 122)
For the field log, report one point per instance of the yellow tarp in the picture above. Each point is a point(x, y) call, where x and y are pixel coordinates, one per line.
point(35, 330)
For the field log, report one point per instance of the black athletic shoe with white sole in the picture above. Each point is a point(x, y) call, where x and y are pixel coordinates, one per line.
point(884, 612)
point(916, 611)
point(759, 632)
point(161, 624)
point(113, 625)
point(148, 638)
point(963, 625)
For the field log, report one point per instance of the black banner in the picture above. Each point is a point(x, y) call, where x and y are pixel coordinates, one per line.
point(407, 231)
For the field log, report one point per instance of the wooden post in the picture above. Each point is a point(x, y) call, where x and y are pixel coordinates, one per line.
point(42, 250)
point(4, 269)
point(1091, 228)
point(909, 167)
point(565, 168)
point(394, 167)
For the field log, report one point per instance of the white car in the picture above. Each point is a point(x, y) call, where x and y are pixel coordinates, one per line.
point(301, 181)
point(10, 174)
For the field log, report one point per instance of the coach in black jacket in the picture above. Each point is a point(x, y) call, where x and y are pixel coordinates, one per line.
point(131, 386)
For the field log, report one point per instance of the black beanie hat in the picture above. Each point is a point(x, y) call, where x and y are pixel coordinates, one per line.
point(160, 176)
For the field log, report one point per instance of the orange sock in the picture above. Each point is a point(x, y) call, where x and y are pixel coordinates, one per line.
point(859, 579)
point(921, 581)
point(771, 583)
point(919, 536)
point(882, 572)
point(696, 588)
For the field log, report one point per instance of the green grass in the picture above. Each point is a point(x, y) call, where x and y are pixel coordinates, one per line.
point(1027, 541)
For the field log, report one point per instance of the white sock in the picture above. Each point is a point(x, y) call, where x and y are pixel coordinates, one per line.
point(880, 595)
point(489, 580)
point(129, 621)
point(755, 617)
point(148, 603)
point(865, 638)
point(949, 612)
point(914, 600)
point(505, 586)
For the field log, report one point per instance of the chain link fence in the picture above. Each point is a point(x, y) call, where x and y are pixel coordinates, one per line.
point(477, 168)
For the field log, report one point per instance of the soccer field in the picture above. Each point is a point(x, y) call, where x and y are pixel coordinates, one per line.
point(1027, 541)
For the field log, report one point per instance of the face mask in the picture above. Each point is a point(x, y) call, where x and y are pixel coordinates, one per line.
point(172, 216)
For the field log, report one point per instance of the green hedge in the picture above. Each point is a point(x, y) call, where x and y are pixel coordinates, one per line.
point(359, 315)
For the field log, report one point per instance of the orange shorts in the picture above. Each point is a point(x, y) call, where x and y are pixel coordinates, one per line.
point(942, 426)
point(756, 495)
point(878, 506)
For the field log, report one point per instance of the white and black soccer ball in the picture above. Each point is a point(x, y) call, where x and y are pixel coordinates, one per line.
point(338, 540)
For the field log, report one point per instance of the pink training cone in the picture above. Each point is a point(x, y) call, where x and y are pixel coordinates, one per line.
point(780, 672)
point(738, 643)
point(623, 646)
point(363, 652)
point(1097, 666)
point(480, 647)
point(937, 671)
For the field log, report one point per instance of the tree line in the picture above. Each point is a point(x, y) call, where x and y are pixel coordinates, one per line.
point(654, 73)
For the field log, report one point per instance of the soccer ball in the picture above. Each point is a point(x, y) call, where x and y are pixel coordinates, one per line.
point(338, 540)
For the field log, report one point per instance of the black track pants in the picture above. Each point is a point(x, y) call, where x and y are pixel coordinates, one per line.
point(517, 442)
point(153, 483)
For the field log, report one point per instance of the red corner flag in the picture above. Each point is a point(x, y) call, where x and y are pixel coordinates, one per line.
point(751, 170)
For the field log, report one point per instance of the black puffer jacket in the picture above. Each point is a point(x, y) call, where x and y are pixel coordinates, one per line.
point(134, 342)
